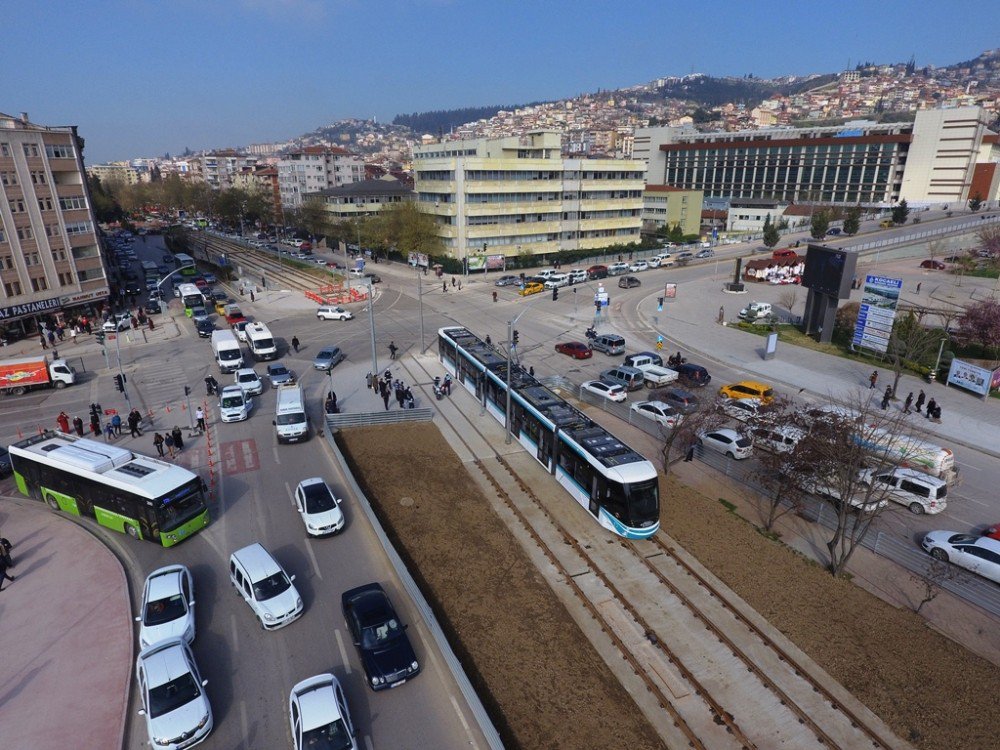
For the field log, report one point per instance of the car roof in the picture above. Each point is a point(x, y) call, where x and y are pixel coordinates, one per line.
point(311, 481)
point(318, 705)
point(246, 371)
point(908, 473)
point(165, 582)
point(164, 661)
point(751, 384)
point(257, 561)
point(232, 389)
point(730, 433)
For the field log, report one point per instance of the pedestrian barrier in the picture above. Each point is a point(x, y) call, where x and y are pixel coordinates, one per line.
point(335, 294)
point(367, 419)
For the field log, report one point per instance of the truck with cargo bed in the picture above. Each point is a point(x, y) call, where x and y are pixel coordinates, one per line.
point(18, 376)
point(654, 373)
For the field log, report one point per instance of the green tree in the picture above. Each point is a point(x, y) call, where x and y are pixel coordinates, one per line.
point(106, 208)
point(405, 228)
point(900, 213)
point(771, 234)
point(852, 221)
point(975, 202)
point(676, 233)
point(314, 218)
point(819, 224)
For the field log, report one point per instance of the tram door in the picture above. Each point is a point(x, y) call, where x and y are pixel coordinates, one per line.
point(595, 493)
point(545, 440)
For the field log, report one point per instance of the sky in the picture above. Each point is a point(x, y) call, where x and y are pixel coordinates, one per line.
point(142, 78)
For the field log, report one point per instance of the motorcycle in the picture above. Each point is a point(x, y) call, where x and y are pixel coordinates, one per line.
point(438, 390)
point(591, 333)
point(211, 385)
point(675, 360)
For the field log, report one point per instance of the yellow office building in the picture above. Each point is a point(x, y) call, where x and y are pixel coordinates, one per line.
point(517, 195)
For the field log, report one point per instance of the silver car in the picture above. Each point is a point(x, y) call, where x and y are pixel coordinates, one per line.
point(328, 357)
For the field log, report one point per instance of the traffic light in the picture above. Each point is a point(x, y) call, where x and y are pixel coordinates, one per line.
point(555, 294)
point(99, 336)
point(187, 390)
point(120, 383)
point(659, 304)
point(514, 338)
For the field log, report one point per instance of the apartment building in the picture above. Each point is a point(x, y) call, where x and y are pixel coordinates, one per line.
point(668, 206)
point(261, 179)
point(315, 168)
point(359, 199)
point(50, 259)
point(218, 168)
point(120, 171)
point(518, 195)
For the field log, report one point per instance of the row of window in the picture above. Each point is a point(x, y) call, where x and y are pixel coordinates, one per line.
point(73, 201)
point(79, 227)
point(31, 150)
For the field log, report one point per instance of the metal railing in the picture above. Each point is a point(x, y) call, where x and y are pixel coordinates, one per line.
point(924, 234)
point(367, 419)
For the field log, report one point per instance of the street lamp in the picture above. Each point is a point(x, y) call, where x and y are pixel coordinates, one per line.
point(420, 299)
point(371, 320)
point(510, 347)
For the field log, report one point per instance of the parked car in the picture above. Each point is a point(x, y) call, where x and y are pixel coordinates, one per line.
point(120, 322)
point(318, 507)
point(833, 231)
point(612, 392)
point(278, 374)
point(597, 272)
point(749, 389)
point(533, 287)
point(629, 282)
point(919, 492)
point(318, 715)
point(172, 694)
point(637, 266)
point(167, 609)
point(728, 442)
point(658, 411)
point(386, 654)
point(743, 409)
point(328, 357)
point(333, 312)
point(683, 401)
point(152, 307)
point(210, 278)
point(707, 253)
point(979, 554)
point(575, 349)
point(934, 265)
point(685, 256)
point(507, 280)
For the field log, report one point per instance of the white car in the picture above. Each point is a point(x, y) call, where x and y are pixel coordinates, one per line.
point(727, 441)
point(919, 492)
point(332, 312)
point(610, 391)
point(318, 714)
point(577, 276)
point(639, 265)
point(249, 381)
point(178, 714)
point(664, 259)
point(120, 322)
point(743, 409)
point(557, 280)
point(980, 554)
point(167, 606)
point(658, 411)
point(234, 404)
point(319, 507)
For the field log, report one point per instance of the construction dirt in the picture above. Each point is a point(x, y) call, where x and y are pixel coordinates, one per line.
point(546, 687)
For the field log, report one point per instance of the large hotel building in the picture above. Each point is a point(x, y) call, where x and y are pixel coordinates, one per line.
point(517, 195)
point(50, 256)
point(945, 156)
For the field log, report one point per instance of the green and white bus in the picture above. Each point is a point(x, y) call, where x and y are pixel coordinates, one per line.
point(143, 497)
point(186, 263)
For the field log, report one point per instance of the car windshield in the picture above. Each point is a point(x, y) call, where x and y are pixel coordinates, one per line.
point(962, 539)
point(165, 610)
point(744, 443)
point(381, 634)
point(271, 586)
point(325, 354)
point(277, 371)
point(333, 736)
point(248, 378)
point(172, 695)
point(296, 417)
point(263, 343)
point(318, 498)
point(232, 402)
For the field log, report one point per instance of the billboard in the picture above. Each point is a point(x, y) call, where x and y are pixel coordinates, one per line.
point(971, 377)
point(877, 313)
point(496, 262)
point(829, 271)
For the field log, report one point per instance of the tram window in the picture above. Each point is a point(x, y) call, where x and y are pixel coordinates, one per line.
point(614, 500)
point(582, 472)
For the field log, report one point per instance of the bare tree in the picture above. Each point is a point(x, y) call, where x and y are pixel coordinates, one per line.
point(910, 343)
point(935, 248)
point(937, 572)
point(788, 298)
point(782, 458)
point(685, 434)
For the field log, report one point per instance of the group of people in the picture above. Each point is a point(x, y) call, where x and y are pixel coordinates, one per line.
point(932, 412)
point(173, 441)
point(112, 429)
point(386, 387)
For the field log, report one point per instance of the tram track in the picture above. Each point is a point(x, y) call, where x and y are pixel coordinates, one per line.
point(802, 711)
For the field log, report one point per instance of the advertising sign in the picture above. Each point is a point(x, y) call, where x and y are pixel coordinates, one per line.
point(670, 291)
point(970, 377)
point(476, 262)
point(877, 313)
point(418, 260)
point(496, 262)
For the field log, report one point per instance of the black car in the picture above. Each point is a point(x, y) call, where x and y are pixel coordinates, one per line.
point(204, 328)
point(380, 637)
point(376, 279)
point(133, 287)
point(683, 401)
point(152, 307)
point(629, 282)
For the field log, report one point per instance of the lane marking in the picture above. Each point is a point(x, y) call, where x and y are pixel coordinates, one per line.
point(236, 633)
point(274, 449)
point(368, 743)
point(343, 651)
point(312, 556)
point(291, 495)
point(243, 719)
point(461, 718)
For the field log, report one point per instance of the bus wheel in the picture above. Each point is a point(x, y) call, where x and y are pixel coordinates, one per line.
point(53, 503)
point(132, 531)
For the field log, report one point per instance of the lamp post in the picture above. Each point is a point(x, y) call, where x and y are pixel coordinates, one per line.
point(420, 299)
point(371, 320)
point(510, 348)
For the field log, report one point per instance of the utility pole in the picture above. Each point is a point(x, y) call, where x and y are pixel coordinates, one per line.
point(371, 319)
point(420, 298)
point(118, 355)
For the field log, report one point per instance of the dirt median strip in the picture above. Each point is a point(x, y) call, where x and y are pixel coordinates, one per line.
point(538, 675)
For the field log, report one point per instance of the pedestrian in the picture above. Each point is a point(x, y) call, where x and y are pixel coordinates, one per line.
point(52, 338)
point(400, 394)
point(295, 344)
point(531, 371)
point(494, 296)
point(152, 325)
point(178, 437)
point(385, 397)
point(452, 282)
point(460, 286)
point(5, 557)
point(168, 441)
point(689, 455)
point(63, 421)
point(252, 298)
point(133, 423)
point(886, 397)
point(388, 376)
point(444, 288)
point(392, 350)
point(368, 380)
point(158, 442)
point(931, 408)
point(907, 403)
point(937, 413)
point(95, 426)
point(408, 398)
point(73, 333)
point(920, 401)
point(199, 416)
point(722, 314)
point(872, 380)
point(116, 424)
point(3, 574)
point(78, 426)
point(918, 287)
point(41, 340)
point(109, 432)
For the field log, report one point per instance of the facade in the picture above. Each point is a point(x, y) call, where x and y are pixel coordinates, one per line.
point(50, 257)
point(667, 206)
point(120, 171)
point(749, 214)
point(218, 168)
point(316, 168)
point(517, 195)
point(934, 159)
point(263, 180)
point(359, 199)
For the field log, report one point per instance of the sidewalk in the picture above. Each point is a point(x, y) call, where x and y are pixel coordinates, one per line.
point(68, 634)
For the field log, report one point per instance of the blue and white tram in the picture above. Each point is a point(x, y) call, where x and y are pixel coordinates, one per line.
point(614, 483)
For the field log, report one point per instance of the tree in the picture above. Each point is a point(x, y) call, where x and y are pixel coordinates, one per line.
point(935, 248)
point(819, 224)
point(704, 418)
point(845, 322)
point(975, 202)
point(788, 298)
point(771, 235)
point(910, 344)
point(852, 221)
point(779, 472)
point(404, 227)
point(980, 324)
point(989, 241)
point(106, 208)
point(676, 233)
point(900, 213)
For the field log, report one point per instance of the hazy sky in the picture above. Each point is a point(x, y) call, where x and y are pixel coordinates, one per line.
point(144, 77)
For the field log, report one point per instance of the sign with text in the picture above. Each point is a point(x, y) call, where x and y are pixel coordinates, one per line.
point(877, 313)
point(970, 377)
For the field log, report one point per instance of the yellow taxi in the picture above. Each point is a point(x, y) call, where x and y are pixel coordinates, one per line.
point(220, 307)
point(762, 392)
point(532, 287)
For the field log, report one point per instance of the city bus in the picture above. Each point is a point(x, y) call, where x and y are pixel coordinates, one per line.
point(186, 264)
point(190, 295)
point(146, 498)
point(150, 271)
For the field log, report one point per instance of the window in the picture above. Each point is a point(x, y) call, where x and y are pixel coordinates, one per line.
point(30, 149)
point(31, 259)
point(25, 233)
point(58, 254)
point(58, 151)
point(78, 227)
point(17, 206)
point(8, 178)
point(916, 489)
point(39, 284)
point(44, 204)
point(7, 262)
point(65, 279)
point(12, 289)
point(73, 201)
point(4, 149)
point(38, 178)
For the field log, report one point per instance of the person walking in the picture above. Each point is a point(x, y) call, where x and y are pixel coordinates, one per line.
point(95, 426)
point(689, 455)
point(886, 397)
point(368, 381)
point(873, 380)
point(168, 440)
point(385, 397)
point(109, 432)
point(920, 401)
point(158, 442)
point(937, 413)
point(116, 424)
point(178, 437)
point(400, 394)
point(931, 408)
point(252, 297)
point(3, 573)
point(494, 296)
point(78, 426)
point(408, 398)
point(133, 423)
point(392, 350)
point(73, 333)
point(444, 288)
point(41, 340)
point(295, 344)
point(918, 287)
point(63, 421)
point(5, 547)
point(907, 403)
point(199, 416)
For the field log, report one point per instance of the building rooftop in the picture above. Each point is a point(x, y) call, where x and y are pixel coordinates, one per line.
point(381, 186)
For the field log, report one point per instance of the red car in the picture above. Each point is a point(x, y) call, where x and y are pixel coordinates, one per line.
point(993, 532)
point(935, 265)
point(575, 349)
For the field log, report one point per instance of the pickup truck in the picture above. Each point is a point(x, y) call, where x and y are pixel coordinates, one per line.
point(18, 376)
point(653, 372)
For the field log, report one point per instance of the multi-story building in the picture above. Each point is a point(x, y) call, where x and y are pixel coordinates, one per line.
point(264, 180)
point(935, 159)
point(359, 199)
point(120, 171)
point(668, 206)
point(218, 168)
point(315, 168)
point(517, 195)
point(51, 264)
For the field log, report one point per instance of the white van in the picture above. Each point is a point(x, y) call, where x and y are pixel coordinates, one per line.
point(557, 280)
point(261, 342)
point(577, 276)
point(234, 404)
point(265, 586)
point(228, 354)
point(919, 492)
point(290, 422)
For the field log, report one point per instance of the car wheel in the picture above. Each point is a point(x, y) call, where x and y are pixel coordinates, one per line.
point(731, 454)
point(939, 554)
point(916, 509)
point(132, 531)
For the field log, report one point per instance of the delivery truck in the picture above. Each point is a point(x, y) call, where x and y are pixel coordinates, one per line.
point(18, 376)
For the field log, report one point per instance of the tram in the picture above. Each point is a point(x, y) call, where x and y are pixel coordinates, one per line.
point(615, 484)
